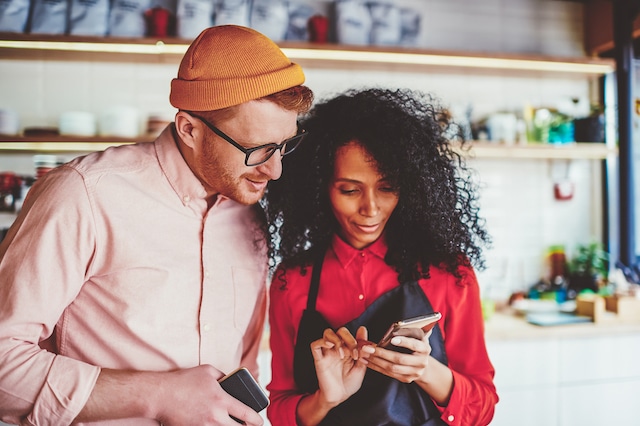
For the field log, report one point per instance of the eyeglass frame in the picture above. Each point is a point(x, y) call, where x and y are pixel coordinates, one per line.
point(247, 151)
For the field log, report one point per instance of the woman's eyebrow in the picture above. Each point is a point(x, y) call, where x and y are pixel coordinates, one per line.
point(345, 179)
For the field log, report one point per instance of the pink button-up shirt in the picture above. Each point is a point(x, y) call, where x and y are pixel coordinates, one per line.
point(118, 255)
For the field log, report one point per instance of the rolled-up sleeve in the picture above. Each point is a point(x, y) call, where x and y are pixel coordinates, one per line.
point(41, 272)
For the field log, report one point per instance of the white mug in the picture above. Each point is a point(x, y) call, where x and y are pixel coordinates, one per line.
point(9, 122)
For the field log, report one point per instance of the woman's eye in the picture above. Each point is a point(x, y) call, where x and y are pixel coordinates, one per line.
point(388, 189)
point(348, 191)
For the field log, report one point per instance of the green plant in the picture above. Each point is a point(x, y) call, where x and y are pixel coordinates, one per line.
point(590, 260)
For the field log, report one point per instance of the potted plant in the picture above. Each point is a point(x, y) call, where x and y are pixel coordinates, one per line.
point(589, 268)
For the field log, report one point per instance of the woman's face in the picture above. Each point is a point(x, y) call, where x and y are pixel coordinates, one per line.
point(361, 199)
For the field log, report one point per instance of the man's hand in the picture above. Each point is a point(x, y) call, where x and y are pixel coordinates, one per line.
point(180, 397)
point(198, 398)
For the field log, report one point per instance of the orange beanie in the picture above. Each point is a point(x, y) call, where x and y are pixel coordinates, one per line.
point(228, 65)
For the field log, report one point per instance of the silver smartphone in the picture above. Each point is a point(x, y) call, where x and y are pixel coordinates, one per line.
point(415, 327)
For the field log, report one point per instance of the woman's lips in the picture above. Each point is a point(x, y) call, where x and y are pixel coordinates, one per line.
point(369, 229)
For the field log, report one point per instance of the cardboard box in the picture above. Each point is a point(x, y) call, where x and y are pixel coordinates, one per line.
point(591, 306)
point(627, 308)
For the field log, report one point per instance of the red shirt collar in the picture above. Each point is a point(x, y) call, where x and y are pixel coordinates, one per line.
point(346, 253)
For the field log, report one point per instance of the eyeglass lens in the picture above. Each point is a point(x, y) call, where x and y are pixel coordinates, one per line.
point(263, 153)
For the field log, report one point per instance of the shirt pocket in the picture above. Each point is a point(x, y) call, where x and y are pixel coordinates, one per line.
point(248, 285)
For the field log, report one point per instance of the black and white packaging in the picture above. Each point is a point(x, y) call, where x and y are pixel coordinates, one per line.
point(235, 12)
point(299, 15)
point(353, 22)
point(126, 18)
point(89, 17)
point(13, 15)
point(193, 16)
point(49, 17)
point(271, 18)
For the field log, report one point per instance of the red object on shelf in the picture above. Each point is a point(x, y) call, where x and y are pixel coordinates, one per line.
point(9, 181)
point(159, 22)
point(318, 29)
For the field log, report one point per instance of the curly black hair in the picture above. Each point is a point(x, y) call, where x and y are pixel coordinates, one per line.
point(411, 139)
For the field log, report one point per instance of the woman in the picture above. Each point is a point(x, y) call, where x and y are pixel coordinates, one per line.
point(377, 221)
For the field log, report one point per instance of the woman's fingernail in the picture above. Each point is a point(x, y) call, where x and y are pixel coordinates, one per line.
point(395, 341)
point(355, 354)
point(369, 349)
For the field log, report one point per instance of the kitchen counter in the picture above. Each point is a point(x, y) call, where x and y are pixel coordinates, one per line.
point(547, 375)
point(508, 325)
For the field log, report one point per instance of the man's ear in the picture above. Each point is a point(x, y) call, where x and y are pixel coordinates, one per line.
point(187, 132)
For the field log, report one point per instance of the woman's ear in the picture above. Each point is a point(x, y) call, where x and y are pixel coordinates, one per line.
point(185, 129)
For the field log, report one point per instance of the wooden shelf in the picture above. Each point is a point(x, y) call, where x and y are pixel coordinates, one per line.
point(153, 50)
point(572, 151)
point(62, 143)
point(592, 151)
point(26, 46)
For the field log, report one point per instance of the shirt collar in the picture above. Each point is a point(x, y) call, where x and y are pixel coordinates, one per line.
point(346, 253)
point(180, 177)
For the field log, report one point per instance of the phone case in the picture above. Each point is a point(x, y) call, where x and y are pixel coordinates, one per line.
point(241, 385)
point(415, 327)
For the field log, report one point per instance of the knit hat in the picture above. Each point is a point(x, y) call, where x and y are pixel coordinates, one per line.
point(228, 65)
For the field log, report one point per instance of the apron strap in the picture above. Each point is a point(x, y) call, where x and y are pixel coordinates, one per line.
point(314, 287)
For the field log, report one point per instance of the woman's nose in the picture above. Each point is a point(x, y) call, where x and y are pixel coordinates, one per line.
point(369, 206)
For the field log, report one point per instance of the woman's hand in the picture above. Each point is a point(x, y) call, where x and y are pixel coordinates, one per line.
point(406, 368)
point(340, 364)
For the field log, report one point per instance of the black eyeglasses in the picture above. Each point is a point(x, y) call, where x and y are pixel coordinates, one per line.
point(258, 154)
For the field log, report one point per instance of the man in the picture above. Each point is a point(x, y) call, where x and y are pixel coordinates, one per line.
point(134, 278)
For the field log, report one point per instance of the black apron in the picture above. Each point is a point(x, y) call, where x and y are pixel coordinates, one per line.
point(381, 400)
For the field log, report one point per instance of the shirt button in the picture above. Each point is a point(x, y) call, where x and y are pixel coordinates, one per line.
point(361, 296)
point(451, 418)
point(361, 254)
point(206, 327)
point(206, 274)
point(186, 198)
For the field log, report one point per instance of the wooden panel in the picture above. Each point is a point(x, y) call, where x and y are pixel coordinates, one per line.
point(598, 26)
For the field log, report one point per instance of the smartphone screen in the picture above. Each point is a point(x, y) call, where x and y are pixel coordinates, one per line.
point(415, 327)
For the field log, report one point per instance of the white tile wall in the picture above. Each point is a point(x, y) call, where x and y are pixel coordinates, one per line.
point(517, 195)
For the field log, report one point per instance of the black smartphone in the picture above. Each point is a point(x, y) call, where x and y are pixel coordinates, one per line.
point(241, 385)
point(415, 327)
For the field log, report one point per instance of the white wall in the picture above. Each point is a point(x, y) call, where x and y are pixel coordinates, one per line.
point(517, 195)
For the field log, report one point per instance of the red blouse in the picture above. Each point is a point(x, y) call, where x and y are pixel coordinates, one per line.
point(350, 281)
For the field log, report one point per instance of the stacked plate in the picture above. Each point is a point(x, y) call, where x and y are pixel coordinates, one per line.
point(120, 121)
point(77, 123)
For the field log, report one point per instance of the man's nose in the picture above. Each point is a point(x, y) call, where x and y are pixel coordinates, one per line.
point(273, 166)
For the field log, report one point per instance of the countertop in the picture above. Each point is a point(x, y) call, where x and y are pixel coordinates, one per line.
point(508, 325)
